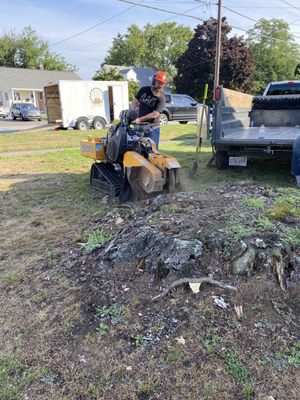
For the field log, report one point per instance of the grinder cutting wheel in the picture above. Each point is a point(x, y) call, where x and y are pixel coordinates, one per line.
point(127, 162)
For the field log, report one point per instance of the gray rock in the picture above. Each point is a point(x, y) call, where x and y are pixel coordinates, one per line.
point(259, 243)
point(243, 264)
point(181, 251)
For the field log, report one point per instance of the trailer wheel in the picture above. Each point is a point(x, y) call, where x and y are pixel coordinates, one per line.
point(82, 124)
point(221, 159)
point(98, 123)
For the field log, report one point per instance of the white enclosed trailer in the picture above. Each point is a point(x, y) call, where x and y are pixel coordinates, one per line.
point(85, 104)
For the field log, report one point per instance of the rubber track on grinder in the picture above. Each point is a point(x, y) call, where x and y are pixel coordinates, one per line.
point(105, 178)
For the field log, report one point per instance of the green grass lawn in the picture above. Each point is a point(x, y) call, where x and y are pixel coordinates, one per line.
point(47, 209)
point(177, 140)
point(47, 138)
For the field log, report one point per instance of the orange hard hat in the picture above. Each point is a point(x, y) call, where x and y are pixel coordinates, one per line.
point(161, 77)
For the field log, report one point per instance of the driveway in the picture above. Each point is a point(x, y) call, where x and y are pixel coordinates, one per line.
point(9, 125)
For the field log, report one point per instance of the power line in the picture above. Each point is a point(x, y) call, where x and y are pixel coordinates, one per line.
point(289, 4)
point(254, 20)
point(292, 6)
point(92, 46)
point(95, 26)
point(200, 19)
point(166, 11)
point(241, 15)
point(162, 10)
point(191, 9)
point(106, 41)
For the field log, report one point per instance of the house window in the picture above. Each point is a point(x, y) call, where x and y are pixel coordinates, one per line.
point(17, 96)
point(6, 96)
point(41, 97)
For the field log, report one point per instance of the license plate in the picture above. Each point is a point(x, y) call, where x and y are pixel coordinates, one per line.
point(238, 161)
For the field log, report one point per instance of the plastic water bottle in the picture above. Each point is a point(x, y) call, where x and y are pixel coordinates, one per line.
point(261, 132)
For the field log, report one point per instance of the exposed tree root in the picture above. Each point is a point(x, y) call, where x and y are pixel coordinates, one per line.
point(279, 271)
point(192, 280)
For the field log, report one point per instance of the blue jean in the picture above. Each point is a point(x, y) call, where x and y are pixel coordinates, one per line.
point(154, 135)
point(295, 164)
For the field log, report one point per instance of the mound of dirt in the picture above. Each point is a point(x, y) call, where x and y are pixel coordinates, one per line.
point(210, 343)
point(218, 233)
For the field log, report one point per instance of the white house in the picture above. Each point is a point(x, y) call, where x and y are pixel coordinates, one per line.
point(26, 85)
point(143, 76)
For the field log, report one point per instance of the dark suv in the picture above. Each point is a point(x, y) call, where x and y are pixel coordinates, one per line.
point(179, 107)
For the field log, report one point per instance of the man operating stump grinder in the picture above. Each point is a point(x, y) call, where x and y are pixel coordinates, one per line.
point(150, 101)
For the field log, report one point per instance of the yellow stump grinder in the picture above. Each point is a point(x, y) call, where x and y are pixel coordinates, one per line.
point(127, 162)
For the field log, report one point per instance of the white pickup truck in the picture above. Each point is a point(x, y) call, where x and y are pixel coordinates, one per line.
point(246, 125)
point(282, 88)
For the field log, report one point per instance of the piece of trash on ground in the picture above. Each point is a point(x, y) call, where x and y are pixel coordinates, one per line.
point(220, 302)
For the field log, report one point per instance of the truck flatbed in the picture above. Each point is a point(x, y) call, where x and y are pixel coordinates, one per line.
point(273, 135)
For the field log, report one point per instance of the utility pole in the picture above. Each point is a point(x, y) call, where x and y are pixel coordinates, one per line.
point(218, 45)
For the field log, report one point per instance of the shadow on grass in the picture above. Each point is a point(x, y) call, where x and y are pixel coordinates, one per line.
point(271, 172)
point(73, 193)
point(187, 136)
point(67, 194)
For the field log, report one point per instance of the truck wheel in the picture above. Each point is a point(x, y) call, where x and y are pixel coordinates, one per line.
point(164, 119)
point(98, 123)
point(221, 159)
point(13, 116)
point(183, 122)
point(82, 124)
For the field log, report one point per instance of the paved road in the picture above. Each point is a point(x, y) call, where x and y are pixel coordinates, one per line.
point(8, 125)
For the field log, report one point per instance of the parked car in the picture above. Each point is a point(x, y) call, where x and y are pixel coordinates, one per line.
point(3, 112)
point(25, 111)
point(179, 107)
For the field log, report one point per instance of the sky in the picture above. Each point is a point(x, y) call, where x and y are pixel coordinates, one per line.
point(82, 30)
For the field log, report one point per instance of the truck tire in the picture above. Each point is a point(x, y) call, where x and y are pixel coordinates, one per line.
point(164, 119)
point(82, 124)
point(221, 159)
point(98, 123)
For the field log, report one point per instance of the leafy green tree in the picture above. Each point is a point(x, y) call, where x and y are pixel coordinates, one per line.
point(196, 65)
point(133, 88)
point(151, 46)
point(28, 50)
point(111, 75)
point(128, 49)
point(274, 51)
point(8, 49)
